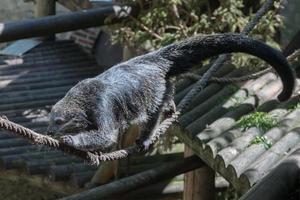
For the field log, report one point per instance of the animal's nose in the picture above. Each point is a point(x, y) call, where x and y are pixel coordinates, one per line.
point(50, 132)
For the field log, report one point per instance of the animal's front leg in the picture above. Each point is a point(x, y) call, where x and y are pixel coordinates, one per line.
point(92, 140)
point(167, 109)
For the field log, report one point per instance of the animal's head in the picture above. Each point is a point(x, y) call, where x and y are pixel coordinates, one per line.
point(67, 119)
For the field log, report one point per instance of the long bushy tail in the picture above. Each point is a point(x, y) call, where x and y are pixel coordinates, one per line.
point(192, 51)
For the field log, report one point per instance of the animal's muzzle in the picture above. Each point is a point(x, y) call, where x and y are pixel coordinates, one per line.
point(51, 131)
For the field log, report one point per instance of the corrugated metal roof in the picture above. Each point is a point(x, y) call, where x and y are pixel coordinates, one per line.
point(214, 135)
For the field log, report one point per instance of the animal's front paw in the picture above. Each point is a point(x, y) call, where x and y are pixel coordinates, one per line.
point(67, 139)
point(146, 145)
point(143, 145)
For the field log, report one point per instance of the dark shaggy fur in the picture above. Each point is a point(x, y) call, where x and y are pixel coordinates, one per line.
point(94, 113)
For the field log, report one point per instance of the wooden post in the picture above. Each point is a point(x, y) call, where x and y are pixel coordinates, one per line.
point(109, 170)
point(75, 5)
point(103, 175)
point(200, 183)
point(45, 8)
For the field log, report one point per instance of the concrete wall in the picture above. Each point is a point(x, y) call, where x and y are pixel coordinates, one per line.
point(18, 9)
point(291, 20)
point(11, 10)
point(15, 9)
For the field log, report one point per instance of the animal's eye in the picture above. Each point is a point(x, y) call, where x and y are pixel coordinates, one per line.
point(77, 120)
point(59, 120)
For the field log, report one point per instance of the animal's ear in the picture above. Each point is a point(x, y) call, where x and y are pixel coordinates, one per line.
point(59, 120)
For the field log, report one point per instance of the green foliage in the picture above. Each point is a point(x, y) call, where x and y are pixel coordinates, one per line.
point(262, 120)
point(162, 22)
point(294, 107)
point(262, 140)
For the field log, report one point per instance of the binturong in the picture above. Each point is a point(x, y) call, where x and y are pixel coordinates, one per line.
point(94, 113)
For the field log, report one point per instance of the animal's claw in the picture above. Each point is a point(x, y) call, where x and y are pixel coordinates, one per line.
point(143, 145)
point(67, 139)
point(146, 145)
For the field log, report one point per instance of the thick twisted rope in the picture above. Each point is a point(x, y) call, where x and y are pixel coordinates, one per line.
point(39, 139)
point(224, 80)
point(96, 157)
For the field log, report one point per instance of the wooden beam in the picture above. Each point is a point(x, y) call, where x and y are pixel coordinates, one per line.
point(45, 8)
point(155, 175)
point(109, 170)
point(200, 183)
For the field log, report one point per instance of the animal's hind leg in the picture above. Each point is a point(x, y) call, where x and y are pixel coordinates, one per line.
point(166, 109)
point(169, 109)
point(169, 106)
point(147, 131)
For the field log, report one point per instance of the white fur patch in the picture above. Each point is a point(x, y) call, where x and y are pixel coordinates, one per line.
point(122, 11)
point(143, 117)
